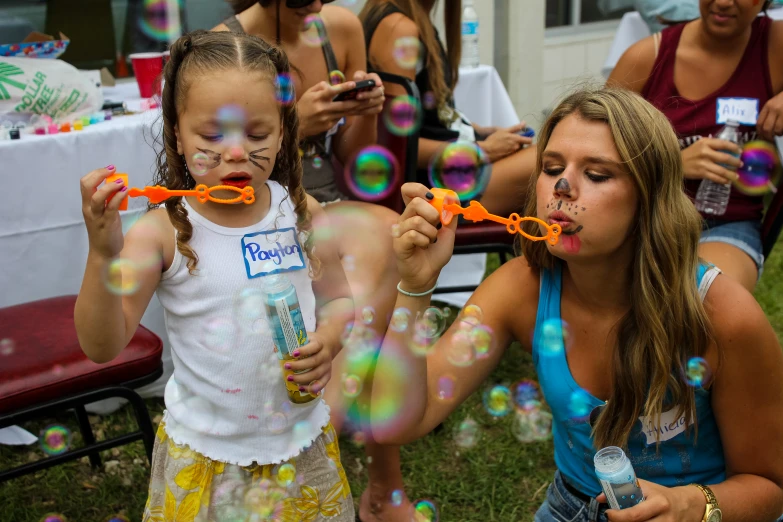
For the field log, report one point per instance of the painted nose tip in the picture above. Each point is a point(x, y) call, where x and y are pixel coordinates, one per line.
point(236, 152)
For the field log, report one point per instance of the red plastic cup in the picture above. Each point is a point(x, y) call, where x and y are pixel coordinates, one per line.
point(147, 67)
point(166, 57)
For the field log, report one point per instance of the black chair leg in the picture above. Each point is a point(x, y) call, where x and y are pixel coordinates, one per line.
point(87, 434)
point(144, 422)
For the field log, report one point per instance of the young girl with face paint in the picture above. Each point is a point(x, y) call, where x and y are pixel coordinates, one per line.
point(231, 445)
point(659, 347)
point(724, 65)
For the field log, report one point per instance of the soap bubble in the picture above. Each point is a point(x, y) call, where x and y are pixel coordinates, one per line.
point(199, 165)
point(313, 31)
point(472, 312)
point(117, 518)
point(407, 52)
point(373, 174)
point(761, 168)
point(250, 310)
point(352, 385)
point(554, 337)
point(55, 440)
point(397, 497)
point(231, 119)
point(429, 100)
point(400, 319)
point(523, 392)
point(446, 385)
point(318, 162)
point(286, 475)
point(481, 339)
point(122, 277)
point(54, 517)
point(462, 167)
point(285, 89)
point(218, 334)
point(697, 372)
point(264, 501)
point(425, 511)
point(154, 20)
point(368, 315)
point(421, 345)
point(358, 438)
point(522, 427)
point(497, 401)
point(460, 350)
point(430, 323)
point(541, 421)
point(277, 422)
point(402, 115)
point(336, 77)
point(7, 346)
point(349, 263)
point(467, 433)
point(579, 405)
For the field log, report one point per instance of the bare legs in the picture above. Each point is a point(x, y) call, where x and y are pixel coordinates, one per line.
point(732, 261)
point(364, 233)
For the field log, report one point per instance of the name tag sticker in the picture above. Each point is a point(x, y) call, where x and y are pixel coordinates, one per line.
point(272, 252)
point(670, 426)
point(744, 110)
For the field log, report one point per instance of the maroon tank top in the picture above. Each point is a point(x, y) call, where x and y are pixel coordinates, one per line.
point(695, 119)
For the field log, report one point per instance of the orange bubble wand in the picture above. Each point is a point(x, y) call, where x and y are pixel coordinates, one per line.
point(158, 194)
point(447, 203)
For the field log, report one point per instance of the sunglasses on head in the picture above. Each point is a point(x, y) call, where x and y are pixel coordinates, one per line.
point(298, 4)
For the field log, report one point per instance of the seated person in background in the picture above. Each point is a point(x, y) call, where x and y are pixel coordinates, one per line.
point(665, 357)
point(386, 22)
point(729, 54)
point(361, 229)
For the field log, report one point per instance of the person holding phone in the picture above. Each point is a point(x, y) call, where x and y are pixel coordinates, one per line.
point(337, 112)
point(388, 27)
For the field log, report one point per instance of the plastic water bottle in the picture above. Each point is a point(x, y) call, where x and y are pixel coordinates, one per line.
point(470, 36)
point(288, 328)
point(713, 198)
point(617, 477)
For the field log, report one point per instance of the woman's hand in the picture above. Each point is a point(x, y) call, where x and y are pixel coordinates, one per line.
point(372, 101)
point(104, 227)
point(316, 357)
point(419, 258)
point(662, 504)
point(318, 113)
point(770, 121)
point(706, 158)
point(503, 143)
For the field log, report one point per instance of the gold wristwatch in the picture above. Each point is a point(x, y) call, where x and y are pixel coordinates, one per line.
point(712, 512)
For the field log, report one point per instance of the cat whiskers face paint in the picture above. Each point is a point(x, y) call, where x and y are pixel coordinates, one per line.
point(213, 157)
point(255, 158)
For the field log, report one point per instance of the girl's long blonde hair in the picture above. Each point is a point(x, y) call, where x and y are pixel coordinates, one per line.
point(442, 87)
point(214, 51)
point(667, 324)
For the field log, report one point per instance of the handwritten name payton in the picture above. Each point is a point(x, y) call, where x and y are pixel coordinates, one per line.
point(276, 255)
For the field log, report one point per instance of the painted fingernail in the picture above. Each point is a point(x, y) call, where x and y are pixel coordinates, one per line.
point(290, 378)
point(430, 196)
point(439, 225)
point(301, 388)
point(118, 180)
point(296, 353)
point(123, 189)
point(110, 167)
point(287, 366)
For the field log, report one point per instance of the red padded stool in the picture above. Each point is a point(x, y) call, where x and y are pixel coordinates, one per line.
point(48, 373)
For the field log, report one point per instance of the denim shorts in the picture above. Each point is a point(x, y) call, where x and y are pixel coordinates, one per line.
point(745, 235)
point(560, 505)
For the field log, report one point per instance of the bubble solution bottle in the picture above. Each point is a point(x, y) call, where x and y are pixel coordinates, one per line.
point(713, 198)
point(288, 328)
point(470, 36)
point(617, 477)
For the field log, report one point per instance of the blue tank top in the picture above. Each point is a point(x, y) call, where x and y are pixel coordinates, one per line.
point(677, 461)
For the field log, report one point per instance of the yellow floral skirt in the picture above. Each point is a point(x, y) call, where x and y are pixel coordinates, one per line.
point(186, 486)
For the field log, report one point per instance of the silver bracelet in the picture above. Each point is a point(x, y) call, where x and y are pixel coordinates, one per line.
point(409, 294)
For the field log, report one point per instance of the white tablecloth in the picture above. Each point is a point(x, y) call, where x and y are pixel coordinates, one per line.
point(632, 29)
point(43, 241)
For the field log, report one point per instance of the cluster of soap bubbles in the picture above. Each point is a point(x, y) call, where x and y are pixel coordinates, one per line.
point(155, 22)
point(402, 115)
point(373, 174)
point(463, 167)
point(264, 500)
point(531, 422)
point(55, 440)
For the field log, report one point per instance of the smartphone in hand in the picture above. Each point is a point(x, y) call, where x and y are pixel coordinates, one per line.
point(362, 86)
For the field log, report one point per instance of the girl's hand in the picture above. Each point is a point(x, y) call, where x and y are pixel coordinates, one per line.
point(104, 227)
point(419, 258)
point(662, 504)
point(316, 357)
point(705, 159)
point(503, 143)
point(770, 121)
point(372, 101)
point(318, 113)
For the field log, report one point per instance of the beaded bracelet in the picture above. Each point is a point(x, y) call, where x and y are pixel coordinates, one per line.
point(410, 294)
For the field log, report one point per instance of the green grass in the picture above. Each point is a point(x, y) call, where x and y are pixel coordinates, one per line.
point(498, 480)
